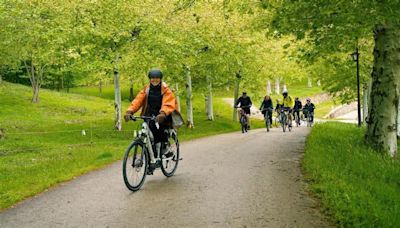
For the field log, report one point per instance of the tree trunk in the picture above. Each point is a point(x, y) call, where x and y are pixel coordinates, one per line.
point(101, 88)
point(58, 83)
point(117, 98)
point(284, 88)
point(269, 91)
point(384, 100)
point(235, 98)
point(35, 77)
point(1, 79)
point(131, 95)
point(277, 84)
point(366, 91)
point(178, 99)
point(189, 105)
point(2, 133)
point(35, 97)
point(398, 120)
point(319, 83)
point(210, 111)
point(309, 82)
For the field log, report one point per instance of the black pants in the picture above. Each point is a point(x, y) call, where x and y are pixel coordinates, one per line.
point(159, 134)
point(269, 115)
point(296, 113)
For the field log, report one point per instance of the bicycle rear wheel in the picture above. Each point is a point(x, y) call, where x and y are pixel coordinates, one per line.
point(309, 121)
point(134, 166)
point(267, 123)
point(243, 123)
point(170, 159)
point(283, 123)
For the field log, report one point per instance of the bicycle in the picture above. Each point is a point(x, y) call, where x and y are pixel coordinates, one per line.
point(266, 118)
point(297, 117)
point(309, 117)
point(243, 119)
point(141, 153)
point(284, 120)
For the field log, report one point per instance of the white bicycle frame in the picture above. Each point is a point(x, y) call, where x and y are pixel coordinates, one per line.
point(147, 137)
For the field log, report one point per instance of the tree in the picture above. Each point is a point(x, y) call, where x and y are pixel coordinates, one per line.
point(35, 38)
point(338, 27)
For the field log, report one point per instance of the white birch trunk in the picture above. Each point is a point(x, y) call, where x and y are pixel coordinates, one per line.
point(210, 112)
point(309, 83)
point(269, 90)
point(385, 90)
point(398, 120)
point(189, 104)
point(178, 100)
point(117, 98)
point(277, 84)
point(319, 83)
point(284, 88)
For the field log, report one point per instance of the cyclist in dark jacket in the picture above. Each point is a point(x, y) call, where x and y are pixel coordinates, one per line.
point(309, 109)
point(245, 104)
point(267, 106)
point(297, 107)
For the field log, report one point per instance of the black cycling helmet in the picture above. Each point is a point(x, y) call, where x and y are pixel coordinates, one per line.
point(155, 73)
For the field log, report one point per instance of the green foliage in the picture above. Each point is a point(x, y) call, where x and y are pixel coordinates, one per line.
point(358, 186)
point(330, 31)
point(90, 39)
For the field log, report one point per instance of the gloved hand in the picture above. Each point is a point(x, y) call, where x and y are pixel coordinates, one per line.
point(127, 115)
point(161, 117)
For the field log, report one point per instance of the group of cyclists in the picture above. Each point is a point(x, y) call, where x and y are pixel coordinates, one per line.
point(159, 111)
point(292, 107)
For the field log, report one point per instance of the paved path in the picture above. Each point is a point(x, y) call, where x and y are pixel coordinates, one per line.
point(231, 180)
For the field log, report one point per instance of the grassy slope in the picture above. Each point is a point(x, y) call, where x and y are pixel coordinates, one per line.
point(44, 145)
point(357, 186)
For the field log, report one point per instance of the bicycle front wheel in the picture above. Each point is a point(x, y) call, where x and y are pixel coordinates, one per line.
point(170, 159)
point(283, 123)
point(134, 166)
point(267, 123)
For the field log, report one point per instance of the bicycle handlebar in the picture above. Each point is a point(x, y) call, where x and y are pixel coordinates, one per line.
point(247, 106)
point(267, 109)
point(133, 118)
point(142, 117)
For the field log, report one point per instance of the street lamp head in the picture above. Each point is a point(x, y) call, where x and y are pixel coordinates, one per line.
point(354, 56)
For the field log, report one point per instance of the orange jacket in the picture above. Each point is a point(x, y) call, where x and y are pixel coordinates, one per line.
point(168, 104)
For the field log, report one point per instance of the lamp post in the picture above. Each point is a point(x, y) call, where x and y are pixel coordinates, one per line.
point(355, 57)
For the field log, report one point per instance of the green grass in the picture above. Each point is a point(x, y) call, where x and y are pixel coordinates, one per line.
point(44, 145)
point(358, 187)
